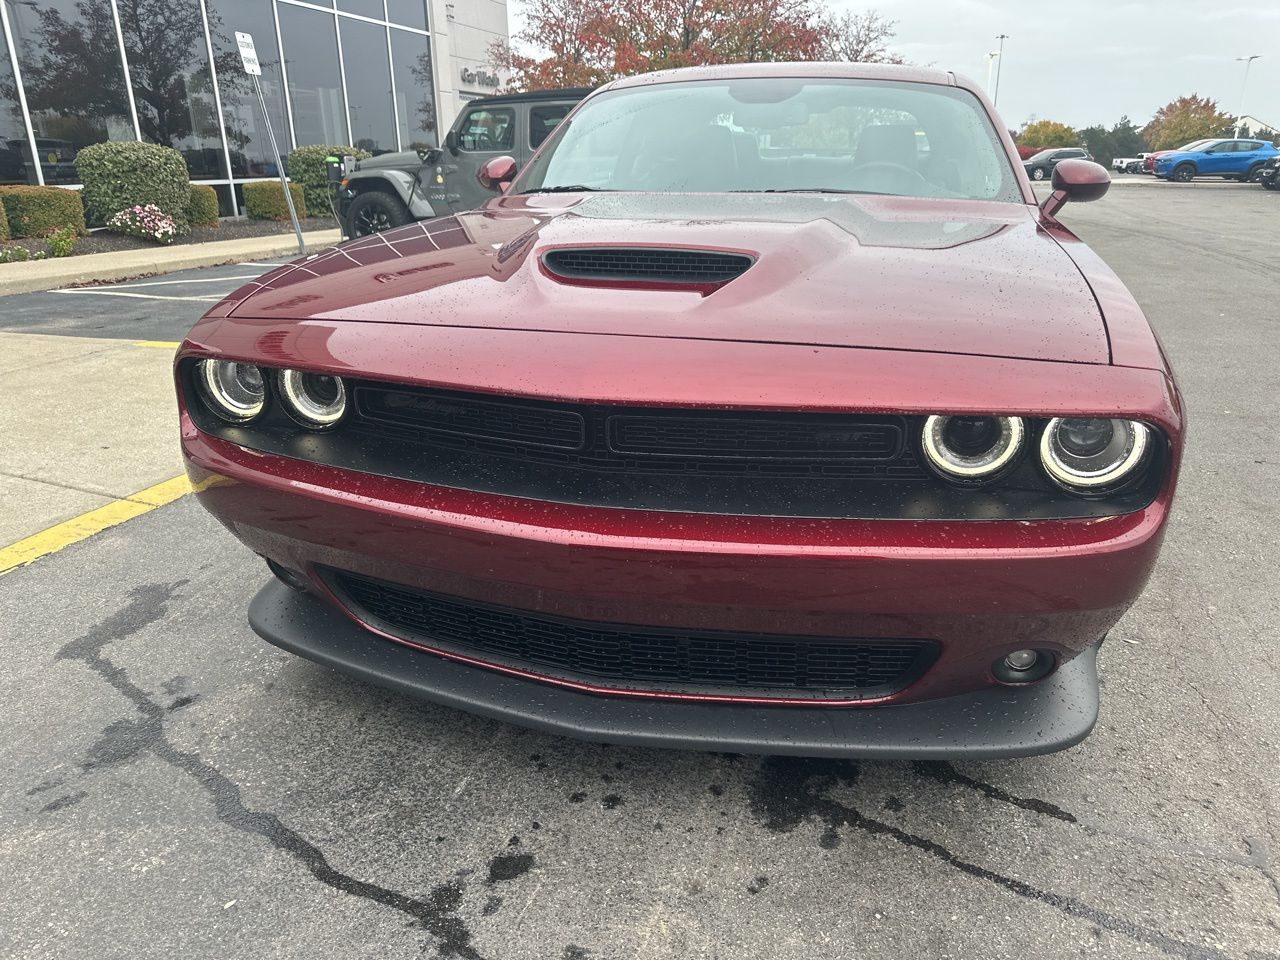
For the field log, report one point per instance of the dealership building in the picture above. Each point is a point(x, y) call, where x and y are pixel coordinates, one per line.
point(379, 74)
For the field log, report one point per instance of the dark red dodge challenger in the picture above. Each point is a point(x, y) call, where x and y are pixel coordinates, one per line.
point(764, 410)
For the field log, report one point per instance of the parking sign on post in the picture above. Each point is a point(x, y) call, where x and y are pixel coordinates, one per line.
point(249, 57)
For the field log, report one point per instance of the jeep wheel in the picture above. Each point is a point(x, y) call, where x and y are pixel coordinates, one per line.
point(1038, 173)
point(374, 212)
point(1183, 173)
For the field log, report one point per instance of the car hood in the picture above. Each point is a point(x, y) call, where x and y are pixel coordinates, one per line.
point(399, 160)
point(944, 276)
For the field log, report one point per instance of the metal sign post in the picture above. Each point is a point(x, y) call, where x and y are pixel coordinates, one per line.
point(249, 57)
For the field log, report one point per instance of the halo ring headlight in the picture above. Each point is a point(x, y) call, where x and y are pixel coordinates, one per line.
point(315, 400)
point(972, 449)
point(1093, 455)
point(236, 392)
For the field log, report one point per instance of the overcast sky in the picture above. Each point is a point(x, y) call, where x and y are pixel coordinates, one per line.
point(1090, 61)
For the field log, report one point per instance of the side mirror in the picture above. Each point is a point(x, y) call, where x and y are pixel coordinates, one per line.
point(1078, 181)
point(451, 141)
point(495, 172)
point(429, 154)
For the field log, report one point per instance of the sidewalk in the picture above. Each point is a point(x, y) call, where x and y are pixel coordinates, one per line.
point(35, 275)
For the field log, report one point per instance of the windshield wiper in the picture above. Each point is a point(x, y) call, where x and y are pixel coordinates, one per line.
point(804, 190)
point(566, 188)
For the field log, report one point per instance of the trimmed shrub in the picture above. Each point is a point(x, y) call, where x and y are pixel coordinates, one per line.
point(125, 174)
point(38, 211)
point(61, 242)
point(265, 200)
point(306, 166)
point(4, 220)
point(202, 206)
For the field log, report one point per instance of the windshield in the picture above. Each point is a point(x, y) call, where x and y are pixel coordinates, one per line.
point(1194, 144)
point(779, 134)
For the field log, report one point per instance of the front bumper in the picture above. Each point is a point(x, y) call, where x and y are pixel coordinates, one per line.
point(991, 723)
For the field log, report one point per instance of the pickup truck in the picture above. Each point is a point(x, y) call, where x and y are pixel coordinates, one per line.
point(396, 188)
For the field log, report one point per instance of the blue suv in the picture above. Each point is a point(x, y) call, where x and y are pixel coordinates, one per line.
point(1229, 159)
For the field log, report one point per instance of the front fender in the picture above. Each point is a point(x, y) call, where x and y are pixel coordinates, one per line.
point(398, 183)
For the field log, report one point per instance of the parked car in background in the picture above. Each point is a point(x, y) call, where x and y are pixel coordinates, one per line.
point(1149, 161)
point(1128, 164)
point(734, 421)
point(1230, 159)
point(1040, 166)
point(1270, 175)
point(395, 188)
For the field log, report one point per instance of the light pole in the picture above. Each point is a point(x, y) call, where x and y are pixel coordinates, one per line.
point(1248, 62)
point(992, 57)
point(995, 99)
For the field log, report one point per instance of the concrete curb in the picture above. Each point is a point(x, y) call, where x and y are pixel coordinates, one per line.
point(36, 275)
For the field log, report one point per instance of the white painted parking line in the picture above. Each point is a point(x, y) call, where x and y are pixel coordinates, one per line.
point(161, 283)
point(139, 296)
point(257, 264)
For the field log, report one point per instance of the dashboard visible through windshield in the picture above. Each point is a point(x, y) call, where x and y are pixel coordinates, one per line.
point(779, 135)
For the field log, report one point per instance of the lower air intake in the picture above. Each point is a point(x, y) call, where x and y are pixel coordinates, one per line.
point(630, 658)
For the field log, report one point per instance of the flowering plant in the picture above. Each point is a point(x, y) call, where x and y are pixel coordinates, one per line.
point(144, 221)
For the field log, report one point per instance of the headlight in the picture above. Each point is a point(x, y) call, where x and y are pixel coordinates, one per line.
point(234, 391)
point(315, 400)
point(972, 449)
point(1088, 455)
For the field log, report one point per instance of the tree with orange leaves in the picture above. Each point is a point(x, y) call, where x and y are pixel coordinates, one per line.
point(589, 42)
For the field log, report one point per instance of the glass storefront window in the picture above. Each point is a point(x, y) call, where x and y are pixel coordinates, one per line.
point(415, 90)
point(73, 77)
point(408, 13)
point(172, 88)
point(315, 85)
point(366, 8)
point(241, 116)
point(364, 55)
point(14, 148)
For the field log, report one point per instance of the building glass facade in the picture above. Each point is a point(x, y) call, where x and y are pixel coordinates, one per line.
point(78, 72)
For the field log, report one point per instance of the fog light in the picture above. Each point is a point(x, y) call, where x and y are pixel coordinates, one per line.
point(1022, 660)
point(1024, 666)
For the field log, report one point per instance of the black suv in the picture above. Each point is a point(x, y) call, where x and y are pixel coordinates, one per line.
point(1269, 177)
point(1040, 166)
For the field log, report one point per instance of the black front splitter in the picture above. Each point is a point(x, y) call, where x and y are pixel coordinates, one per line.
point(992, 723)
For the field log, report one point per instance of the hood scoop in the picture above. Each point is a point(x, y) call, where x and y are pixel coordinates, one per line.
point(656, 267)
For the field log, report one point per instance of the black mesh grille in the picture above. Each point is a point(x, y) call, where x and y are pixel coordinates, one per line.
point(631, 440)
point(638, 658)
point(645, 263)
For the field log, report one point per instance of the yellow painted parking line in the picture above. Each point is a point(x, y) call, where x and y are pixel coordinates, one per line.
point(158, 344)
point(87, 524)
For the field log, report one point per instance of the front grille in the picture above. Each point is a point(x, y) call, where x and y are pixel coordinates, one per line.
point(653, 264)
point(638, 441)
point(638, 658)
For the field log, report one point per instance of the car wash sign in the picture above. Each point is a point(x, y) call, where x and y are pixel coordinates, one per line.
point(248, 55)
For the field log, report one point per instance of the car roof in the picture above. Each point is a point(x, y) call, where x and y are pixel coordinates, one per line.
point(825, 70)
point(566, 93)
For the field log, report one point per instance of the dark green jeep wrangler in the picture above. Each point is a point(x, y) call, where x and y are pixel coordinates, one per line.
point(394, 188)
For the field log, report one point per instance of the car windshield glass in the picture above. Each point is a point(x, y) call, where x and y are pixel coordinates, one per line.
point(780, 134)
point(1194, 144)
point(1042, 155)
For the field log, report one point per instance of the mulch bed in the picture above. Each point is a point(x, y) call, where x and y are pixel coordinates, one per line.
point(99, 241)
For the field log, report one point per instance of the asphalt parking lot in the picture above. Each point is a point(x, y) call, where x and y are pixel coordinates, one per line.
point(175, 786)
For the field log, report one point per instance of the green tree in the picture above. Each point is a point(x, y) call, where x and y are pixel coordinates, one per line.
point(1048, 133)
point(1185, 119)
point(1122, 140)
